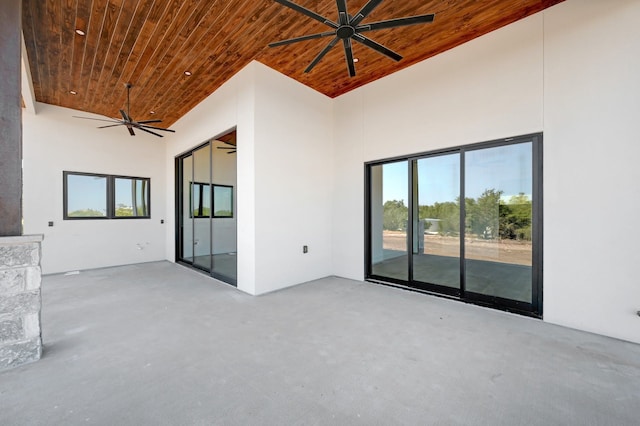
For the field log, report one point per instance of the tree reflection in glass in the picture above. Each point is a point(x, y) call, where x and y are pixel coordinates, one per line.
point(498, 221)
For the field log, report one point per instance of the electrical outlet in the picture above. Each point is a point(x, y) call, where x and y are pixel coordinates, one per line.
point(305, 249)
point(51, 223)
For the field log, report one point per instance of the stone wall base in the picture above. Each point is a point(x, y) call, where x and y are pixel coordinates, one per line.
point(20, 303)
point(16, 354)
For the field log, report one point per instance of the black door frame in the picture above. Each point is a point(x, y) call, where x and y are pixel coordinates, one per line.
point(534, 308)
point(179, 211)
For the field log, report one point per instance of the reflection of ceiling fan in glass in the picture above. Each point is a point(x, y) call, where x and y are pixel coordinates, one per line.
point(228, 139)
point(232, 147)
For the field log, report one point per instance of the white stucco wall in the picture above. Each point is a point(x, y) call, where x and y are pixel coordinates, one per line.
point(592, 124)
point(571, 72)
point(54, 141)
point(293, 195)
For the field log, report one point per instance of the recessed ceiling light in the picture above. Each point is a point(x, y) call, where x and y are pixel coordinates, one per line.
point(80, 32)
point(187, 73)
point(152, 112)
point(73, 92)
point(355, 60)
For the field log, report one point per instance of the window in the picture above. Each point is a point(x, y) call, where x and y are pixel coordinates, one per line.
point(85, 196)
point(97, 196)
point(131, 197)
point(203, 204)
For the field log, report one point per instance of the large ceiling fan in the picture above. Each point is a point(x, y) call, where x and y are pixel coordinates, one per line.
point(350, 28)
point(129, 122)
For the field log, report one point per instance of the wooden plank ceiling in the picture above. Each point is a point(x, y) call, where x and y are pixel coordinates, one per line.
point(152, 43)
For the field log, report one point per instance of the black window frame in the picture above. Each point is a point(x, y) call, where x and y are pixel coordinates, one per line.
point(110, 196)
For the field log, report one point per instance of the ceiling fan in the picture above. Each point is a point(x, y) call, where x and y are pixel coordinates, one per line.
point(349, 28)
point(129, 122)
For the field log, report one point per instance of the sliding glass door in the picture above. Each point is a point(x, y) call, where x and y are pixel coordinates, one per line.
point(206, 225)
point(486, 249)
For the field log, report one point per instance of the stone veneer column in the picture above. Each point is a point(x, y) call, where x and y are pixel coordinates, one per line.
point(20, 304)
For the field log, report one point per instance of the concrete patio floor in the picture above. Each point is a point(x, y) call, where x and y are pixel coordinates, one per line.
point(158, 344)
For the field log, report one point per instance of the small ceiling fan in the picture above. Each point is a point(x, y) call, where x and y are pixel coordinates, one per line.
point(349, 28)
point(129, 122)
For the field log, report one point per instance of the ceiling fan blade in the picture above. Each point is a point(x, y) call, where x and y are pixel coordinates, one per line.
point(308, 13)
point(226, 147)
point(364, 12)
point(111, 125)
point(348, 53)
point(149, 121)
point(399, 22)
point(321, 54)
point(97, 119)
point(303, 38)
point(377, 47)
point(149, 131)
point(131, 132)
point(124, 115)
point(231, 152)
point(342, 12)
point(144, 126)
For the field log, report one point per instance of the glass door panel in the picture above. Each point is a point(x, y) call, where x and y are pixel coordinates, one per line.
point(201, 207)
point(498, 221)
point(224, 222)
point(436, 216)
point(185, 246)
point(389, 217)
